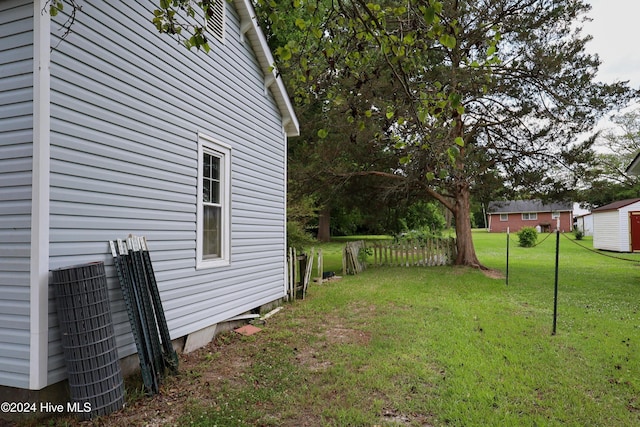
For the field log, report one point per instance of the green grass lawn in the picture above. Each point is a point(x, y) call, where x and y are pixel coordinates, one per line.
point(447, 346)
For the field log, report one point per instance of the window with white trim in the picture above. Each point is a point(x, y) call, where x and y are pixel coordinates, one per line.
point(504, 217)
point(555, 215)
point(529, 216)
point(214, 203)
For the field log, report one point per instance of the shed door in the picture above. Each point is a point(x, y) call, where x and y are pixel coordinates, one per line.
point(634, 219)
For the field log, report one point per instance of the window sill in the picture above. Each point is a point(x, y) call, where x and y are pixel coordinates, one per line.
point(214, 263)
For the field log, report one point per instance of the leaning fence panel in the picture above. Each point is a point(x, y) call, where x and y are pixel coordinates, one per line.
point(354, 257)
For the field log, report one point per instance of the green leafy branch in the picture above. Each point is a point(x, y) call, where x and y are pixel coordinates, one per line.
point(169, 17)
point(55, 7)
point(172, 17)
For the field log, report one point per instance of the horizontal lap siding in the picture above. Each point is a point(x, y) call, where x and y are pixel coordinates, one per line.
point(611, 228)
point(606, 230)
point(16, 148)
point(624, 231)
point(515, 222)
point(127, 105)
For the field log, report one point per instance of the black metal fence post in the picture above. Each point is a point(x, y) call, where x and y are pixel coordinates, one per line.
point(507, 274)
point(555, 289)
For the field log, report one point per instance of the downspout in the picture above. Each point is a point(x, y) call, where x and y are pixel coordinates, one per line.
point(39, 265)
point(286, 189)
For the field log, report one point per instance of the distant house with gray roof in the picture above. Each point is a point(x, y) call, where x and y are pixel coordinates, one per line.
point(516, 214)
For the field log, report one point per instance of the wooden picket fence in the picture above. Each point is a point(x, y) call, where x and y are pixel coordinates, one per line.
point(359, 255)
point(427, 253)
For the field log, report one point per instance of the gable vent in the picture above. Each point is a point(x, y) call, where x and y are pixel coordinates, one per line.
point(215, 23)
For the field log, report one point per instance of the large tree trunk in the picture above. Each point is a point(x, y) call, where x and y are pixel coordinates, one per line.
point(464, 239)
point(324, 222)
point(462, 205)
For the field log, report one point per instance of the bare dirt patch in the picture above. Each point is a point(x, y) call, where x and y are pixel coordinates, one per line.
point(201, 373)
point(311, 357)
point(493, 274)
point(340, 335)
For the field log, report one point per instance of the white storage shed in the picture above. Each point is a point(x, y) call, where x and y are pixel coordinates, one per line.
point(616, 226)
point(584, 223)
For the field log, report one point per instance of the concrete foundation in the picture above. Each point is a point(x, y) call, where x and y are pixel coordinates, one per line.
point(199, 338)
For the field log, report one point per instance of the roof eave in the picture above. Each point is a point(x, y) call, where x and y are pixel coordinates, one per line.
point(634, 167)
point(252, 32)
point(507, 207)
point(615, 206)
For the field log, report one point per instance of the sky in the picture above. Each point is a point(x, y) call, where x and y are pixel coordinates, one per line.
point(616, 32)
point(615, 28)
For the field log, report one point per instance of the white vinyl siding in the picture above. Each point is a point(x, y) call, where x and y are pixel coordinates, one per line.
point(585, 224)
point(611, 228)
point(124, 159)
point(16, 158)
point(606, 230)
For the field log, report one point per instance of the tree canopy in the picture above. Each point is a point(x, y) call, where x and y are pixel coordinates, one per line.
point(605, 177)
point(439, 97)
point(457, 92)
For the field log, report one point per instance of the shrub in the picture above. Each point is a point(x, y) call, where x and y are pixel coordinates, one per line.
point(527, 237)
point(418, 236)
point(578, 234)
point(426, 217)
point(297, 237)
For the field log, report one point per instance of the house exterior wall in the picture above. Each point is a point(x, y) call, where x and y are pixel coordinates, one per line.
point(126, 109)
point(515, 222)
point(611, 228)
point(16, 156)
